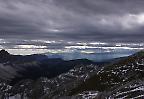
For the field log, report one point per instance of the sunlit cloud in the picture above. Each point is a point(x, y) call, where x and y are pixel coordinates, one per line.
point(30, 47)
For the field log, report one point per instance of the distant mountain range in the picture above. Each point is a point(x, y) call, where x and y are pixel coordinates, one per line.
point(97, 57)
point(41, 77)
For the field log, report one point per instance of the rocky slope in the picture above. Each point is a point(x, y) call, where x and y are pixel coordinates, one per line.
point(122, 79)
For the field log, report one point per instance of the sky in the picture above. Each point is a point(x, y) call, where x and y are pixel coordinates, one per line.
point(71, 24)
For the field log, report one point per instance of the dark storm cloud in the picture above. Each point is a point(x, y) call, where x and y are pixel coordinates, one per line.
point(103, 6)
point(97, 20)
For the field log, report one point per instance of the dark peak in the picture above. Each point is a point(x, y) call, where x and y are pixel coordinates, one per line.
point(3, 53)
point(140, 53)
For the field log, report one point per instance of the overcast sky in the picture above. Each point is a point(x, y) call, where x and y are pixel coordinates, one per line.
point(78, 20)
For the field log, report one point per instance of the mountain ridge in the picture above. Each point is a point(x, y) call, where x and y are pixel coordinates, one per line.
point(82, 79)
point(115, 75)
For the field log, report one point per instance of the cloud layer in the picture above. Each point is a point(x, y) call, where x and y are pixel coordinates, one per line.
point(25, 47)
point(80, 20)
